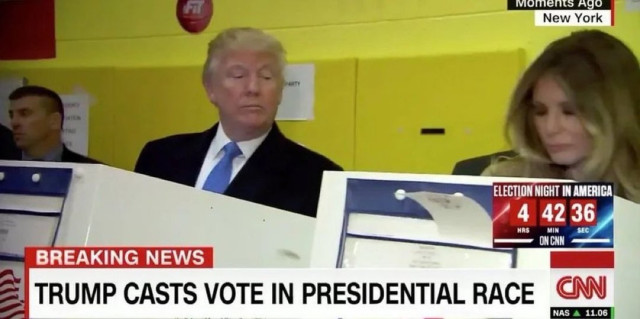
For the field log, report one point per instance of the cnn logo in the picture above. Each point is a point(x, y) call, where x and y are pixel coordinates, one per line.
point(574, 287)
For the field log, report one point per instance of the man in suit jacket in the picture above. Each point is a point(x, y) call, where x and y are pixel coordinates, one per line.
point(8, 148)
point(244, 155)
point(37, 117)
point(476, 165)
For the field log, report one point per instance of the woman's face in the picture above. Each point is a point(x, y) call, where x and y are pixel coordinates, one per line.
point(558, 125)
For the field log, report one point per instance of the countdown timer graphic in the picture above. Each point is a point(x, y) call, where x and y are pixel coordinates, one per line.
point(553, 215)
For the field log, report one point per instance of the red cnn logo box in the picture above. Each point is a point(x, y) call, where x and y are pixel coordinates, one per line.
point(582, 278)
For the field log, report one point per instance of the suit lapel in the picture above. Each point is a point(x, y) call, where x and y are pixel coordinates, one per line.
point(66, 154)
point(187, 164)
point(263, 170)
point(70, 156)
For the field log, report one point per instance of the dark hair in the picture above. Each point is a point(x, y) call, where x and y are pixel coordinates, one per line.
point(34, 90)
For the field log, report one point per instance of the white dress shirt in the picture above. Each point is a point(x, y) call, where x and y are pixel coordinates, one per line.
point(215, 153)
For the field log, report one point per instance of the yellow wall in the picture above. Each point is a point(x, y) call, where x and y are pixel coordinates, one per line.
point(434, 92)
point(133, 105)
point(124, 51)
point(146, 33)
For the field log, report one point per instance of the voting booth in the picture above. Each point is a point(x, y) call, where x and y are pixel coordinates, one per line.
point(388, 220)
point(365, 220)
point(64, 204)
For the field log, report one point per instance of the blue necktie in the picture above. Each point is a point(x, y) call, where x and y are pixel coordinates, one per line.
point(220, 175)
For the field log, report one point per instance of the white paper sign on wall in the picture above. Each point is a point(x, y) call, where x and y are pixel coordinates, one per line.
point(76, 122)
point(299, 93)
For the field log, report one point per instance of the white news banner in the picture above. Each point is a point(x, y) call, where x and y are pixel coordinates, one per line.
point(287, 293)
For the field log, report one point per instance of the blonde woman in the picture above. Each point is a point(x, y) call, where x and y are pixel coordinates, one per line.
point(575, 114)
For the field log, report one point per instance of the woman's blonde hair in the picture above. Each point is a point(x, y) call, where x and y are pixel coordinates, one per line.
point(601, 76)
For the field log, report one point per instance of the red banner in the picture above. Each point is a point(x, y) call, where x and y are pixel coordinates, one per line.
point(27, 29)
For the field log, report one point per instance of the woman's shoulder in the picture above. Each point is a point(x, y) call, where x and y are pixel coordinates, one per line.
point(506, 166)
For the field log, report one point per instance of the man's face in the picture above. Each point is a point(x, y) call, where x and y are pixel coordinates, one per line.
point(247, 88)
point(31, 121)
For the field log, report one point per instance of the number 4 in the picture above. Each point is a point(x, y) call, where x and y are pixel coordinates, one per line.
point(547, 213)
point(523, 214)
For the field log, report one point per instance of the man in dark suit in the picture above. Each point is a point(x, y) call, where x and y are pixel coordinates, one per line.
point(8, 148)
point(37, 117)
point(476, 165)
point(244, 155)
